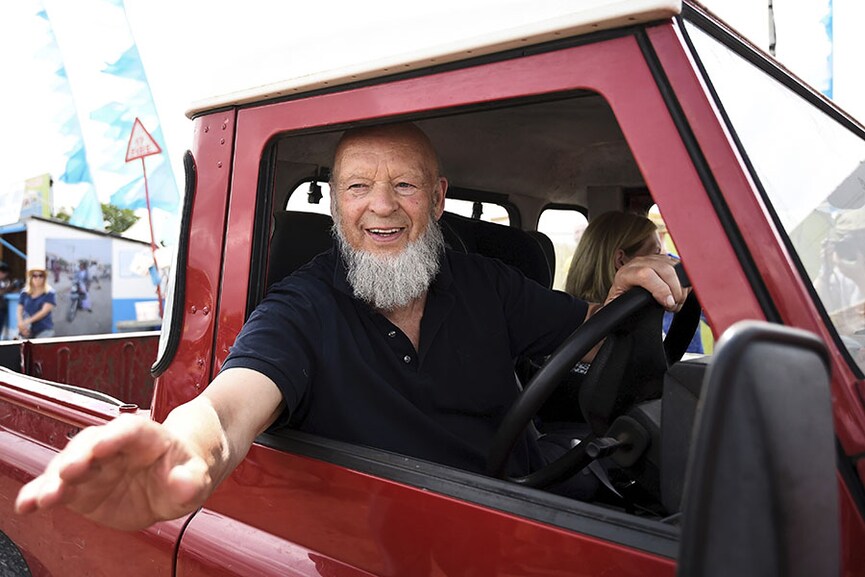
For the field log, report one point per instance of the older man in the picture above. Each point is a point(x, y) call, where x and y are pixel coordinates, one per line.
point(390, 341)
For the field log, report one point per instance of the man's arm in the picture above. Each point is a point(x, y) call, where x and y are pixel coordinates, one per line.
point(133, 472)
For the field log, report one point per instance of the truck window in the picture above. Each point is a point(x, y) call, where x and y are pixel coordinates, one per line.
point(703, 341)
point(314, 196)
point(812, 169)
point(486, 211)
point(564, 226)
point(480, 157)
point(311, 196)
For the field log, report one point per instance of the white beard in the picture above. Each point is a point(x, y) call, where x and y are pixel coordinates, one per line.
point(390, 281)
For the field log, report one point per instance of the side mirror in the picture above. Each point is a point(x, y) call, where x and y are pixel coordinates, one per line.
point(761, 495)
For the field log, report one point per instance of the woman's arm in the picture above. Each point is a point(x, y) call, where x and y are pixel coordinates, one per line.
point(23, 327)
point(41, 313)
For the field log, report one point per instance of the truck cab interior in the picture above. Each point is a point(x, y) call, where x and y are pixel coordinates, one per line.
point(519, 159)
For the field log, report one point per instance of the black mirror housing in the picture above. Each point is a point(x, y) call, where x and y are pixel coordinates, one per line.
point(761, 495)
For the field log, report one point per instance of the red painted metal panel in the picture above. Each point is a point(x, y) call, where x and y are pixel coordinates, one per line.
point(189, 371)
point(312, 516)
point(852, 531)
point(210, 549)
point(22, 393)
point(33, 426)
point(117, 365)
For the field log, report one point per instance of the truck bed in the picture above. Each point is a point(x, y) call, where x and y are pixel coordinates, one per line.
point(114, 365)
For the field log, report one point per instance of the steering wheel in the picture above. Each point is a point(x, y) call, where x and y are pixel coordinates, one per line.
point(607, 320)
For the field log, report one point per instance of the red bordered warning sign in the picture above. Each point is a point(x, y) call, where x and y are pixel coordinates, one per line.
point(141, 144)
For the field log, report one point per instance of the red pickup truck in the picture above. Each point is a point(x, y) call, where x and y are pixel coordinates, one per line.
point(755, 465)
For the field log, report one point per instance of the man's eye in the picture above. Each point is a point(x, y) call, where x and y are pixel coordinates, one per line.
point(405, 188)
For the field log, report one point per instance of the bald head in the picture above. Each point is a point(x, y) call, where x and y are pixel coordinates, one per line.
point(403, 136)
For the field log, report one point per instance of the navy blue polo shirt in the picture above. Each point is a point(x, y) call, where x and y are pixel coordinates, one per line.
point(348, 373)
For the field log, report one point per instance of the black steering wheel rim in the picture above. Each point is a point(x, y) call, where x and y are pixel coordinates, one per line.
point(544, 382)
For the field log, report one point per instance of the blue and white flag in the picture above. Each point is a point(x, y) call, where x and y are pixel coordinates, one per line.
point(160, 186)
point(827, 88)
point(88, 213)
point(111, 90)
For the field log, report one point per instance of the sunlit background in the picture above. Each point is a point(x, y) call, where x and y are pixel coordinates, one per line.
point(76, 73)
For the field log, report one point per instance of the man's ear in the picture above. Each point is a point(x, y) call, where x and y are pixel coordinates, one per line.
point(439, 197)
point(619, 258)
point(333, 207)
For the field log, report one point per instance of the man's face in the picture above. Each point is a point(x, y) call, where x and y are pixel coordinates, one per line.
point(385, 188)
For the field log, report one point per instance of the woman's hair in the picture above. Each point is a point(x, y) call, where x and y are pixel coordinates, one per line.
point(594, 264)
point(45, 286)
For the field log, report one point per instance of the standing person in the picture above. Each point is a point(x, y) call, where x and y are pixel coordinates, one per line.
point(56, 268)
point(436, 390)
point(93, 275)
point(35, 304)
point(82, 284)
point(5, 287)
point(841, 280)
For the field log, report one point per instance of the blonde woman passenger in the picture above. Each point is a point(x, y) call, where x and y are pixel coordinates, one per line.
point(609, 242)
point(35, 304)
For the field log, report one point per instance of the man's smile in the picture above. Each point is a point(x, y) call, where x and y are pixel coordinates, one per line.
point(385, 233)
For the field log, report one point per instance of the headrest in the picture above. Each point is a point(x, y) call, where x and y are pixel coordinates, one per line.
point(297, 238)
point(511, 245)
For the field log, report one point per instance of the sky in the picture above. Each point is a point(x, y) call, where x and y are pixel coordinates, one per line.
point(193, 49)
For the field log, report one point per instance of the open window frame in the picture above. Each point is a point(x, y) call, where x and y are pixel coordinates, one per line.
point(540, 86)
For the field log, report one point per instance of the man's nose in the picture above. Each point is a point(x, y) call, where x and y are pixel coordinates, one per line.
point(383, 199)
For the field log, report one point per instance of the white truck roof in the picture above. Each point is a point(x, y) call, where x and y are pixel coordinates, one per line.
point(343, 51)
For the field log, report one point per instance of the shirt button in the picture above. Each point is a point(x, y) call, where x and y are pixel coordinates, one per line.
point(392, 334)
point(407, 359)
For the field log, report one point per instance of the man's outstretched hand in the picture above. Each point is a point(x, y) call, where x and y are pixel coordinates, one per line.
point(127, 474)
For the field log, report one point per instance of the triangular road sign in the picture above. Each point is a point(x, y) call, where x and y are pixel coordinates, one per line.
point(141, 144)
